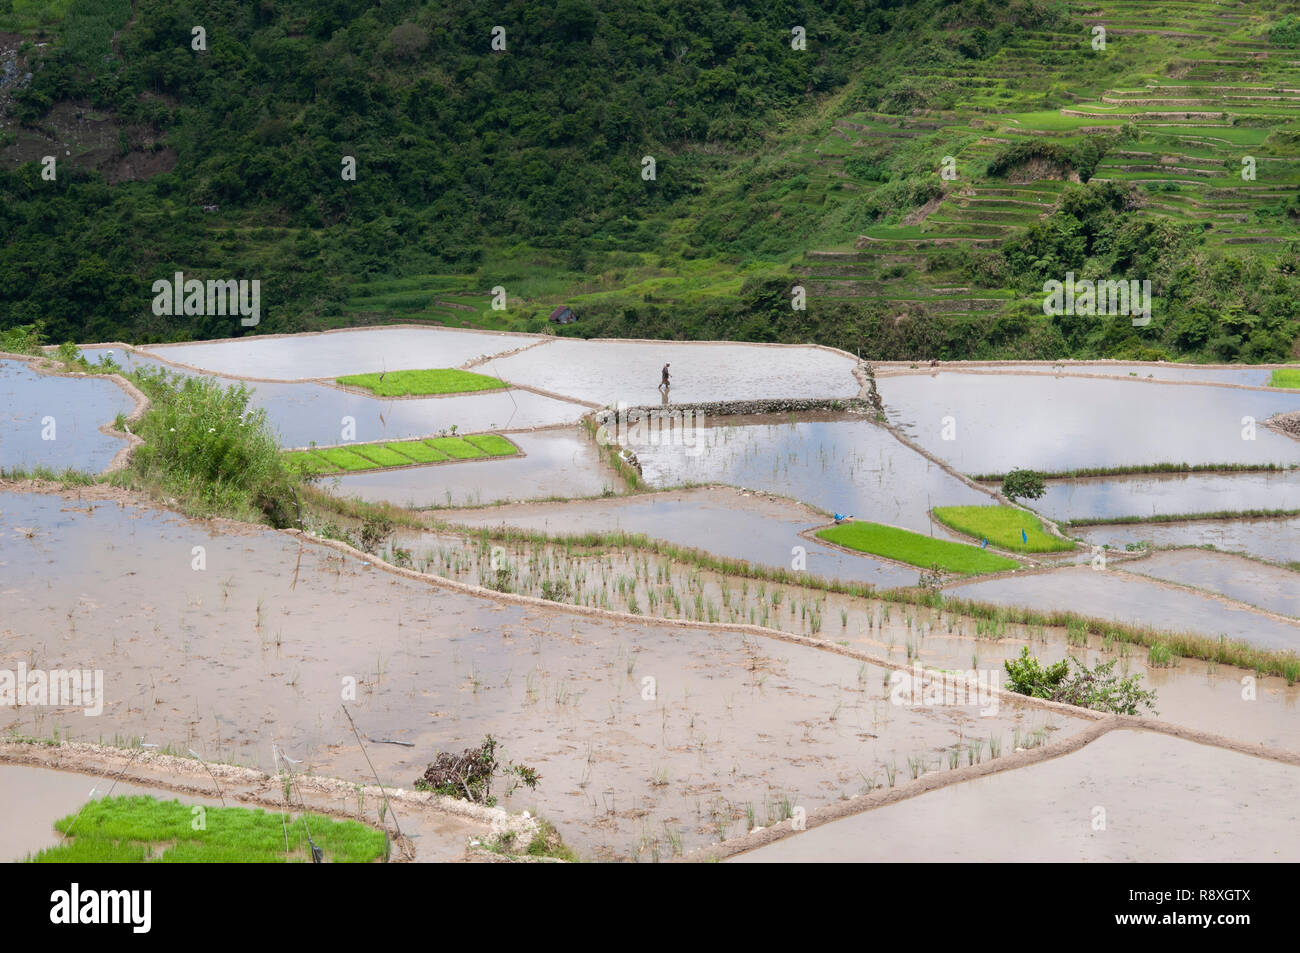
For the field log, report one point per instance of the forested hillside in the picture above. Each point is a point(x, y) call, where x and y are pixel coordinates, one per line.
point(918, 169)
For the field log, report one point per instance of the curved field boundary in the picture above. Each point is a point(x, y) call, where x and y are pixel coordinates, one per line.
point(44, 365)
point(1002, 695)
point(541, 339)
point(861, 803)
point(333, 383)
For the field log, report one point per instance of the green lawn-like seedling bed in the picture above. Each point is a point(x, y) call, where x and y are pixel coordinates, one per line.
point(142, 829)
point(1001, 526)
point(1285, 377)
point(915, 549)
point(423, 383)
point(405, 453)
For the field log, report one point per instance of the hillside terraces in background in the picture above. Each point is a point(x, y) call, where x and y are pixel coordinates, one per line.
point(1182, 93)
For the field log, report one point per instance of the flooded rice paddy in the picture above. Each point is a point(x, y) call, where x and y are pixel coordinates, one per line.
point(335, 353)
point(720, 520)
point(1125, 597)
point(51, 421)
point(667, 728)
point(1159, 799)
point(850, 466)
point(561, 462)
point(1277, 540)
point(252, 650)
point(1256, 584)
point(1169, 494)
point(999, 422)
point(305, 413)
point(607, 372)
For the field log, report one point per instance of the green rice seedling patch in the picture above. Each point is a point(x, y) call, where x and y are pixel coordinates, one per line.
point(382, 455)
point(418, 451)
point(1002, 526)
point(139, 829)
point(915, 549)
point(447, 380)
point(494, 445)
point(345, 459)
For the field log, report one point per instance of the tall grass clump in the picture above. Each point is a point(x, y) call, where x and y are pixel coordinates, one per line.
point(203, 446)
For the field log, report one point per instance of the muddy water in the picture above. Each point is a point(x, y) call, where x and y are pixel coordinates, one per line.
point(606, 372)
point(1195, 694)
point(1164, 799)
point(1169, 494)
point(254, 649)
point(1269, 587)
point(849, 466)
point(1273, 539)
point(719, 520)
point(1122, 596)
point(306, 413)
point(367, 350)
point(557, 463)
point(1209, 697)
point(1048, 423)
point(54, 421)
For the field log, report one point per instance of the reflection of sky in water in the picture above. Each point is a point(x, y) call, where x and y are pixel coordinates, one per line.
point(1050, 423)
point(303, 413)
point(606, 372)
point(759, 538)
point(845, 466)
point(1116, 595)
point(1175, 493)
point(347, 352)
point(79, 406)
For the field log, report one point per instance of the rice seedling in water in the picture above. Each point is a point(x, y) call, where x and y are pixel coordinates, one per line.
point(995, 746)
point(1159, 656)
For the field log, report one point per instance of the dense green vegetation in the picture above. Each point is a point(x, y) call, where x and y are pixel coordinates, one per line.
point(1002, 526)
point(205, 448)
point(142, 829)
point(409, 383)
point(773, 167)
point(1285, 377)
point(915, 549)
point(1098, 688)
point(371, 456)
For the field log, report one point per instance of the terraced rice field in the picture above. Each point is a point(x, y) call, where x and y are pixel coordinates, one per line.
point(374, 456)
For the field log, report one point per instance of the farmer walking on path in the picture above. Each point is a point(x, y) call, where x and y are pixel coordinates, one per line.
point(663, 384)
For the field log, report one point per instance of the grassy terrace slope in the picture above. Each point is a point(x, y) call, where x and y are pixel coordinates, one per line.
point(374, 456)
point(920, 170)
point(915, 549)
